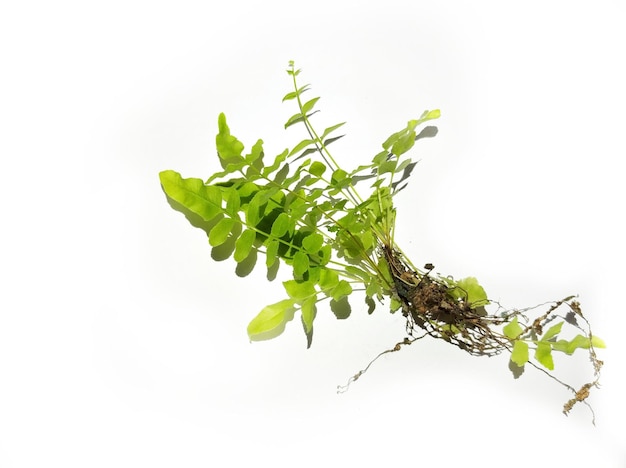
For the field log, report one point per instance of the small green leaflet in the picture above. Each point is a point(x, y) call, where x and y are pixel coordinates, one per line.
point(329, 130)
point(300, 263)
point(543, 354)
point(271, 253)
point(578, 342)
point(243, 245)
point(519, 355)
point(313, 242)
point(203, 200)
point(220, 232)
point(470, 290)
point(229, 148)
point(300, 146)
point(342, 290)
point(280, 225)
point(307, 106)
point(513, 329)
point(309, 309)
point(299, 290)
point(317, 169)
point(552, 331)
point(429, 115)
point(271, 321)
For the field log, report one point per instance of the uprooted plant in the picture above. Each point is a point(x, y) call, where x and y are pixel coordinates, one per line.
point(302, 209)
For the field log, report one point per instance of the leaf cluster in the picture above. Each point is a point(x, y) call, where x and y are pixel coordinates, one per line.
point(300, 209)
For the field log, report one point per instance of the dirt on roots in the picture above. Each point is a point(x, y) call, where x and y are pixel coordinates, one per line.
point(428, 305)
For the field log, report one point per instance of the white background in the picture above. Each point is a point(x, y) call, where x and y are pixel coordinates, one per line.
point(123, 344)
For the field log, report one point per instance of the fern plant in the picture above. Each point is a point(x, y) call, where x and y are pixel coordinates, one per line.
point(302, 209)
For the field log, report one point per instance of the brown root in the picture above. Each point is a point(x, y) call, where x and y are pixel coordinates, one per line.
point(431, 309)
point(428, 305)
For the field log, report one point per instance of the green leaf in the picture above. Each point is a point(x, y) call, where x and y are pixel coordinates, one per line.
point(220, 231)
point(429, 115)
point(519, 355)
point(300, 263)
point(400, 142)
point(299, 290)
point(513, 329)
point(247, 191)
point(245, 267)
point(277, 162)
point(404, 143)
point(342, 289)
point(552, 331)
point(289, 96)
point(543, 354)
point(395, 304)
point(230, 168)
point(472, 292)
point(271, 321)
point(350, 245)
point(253, 211)
point(313, 273)
point(313, 242)
point(280, 225)
point(271, 252)
point(388, 143)
point(298, 207)
point(243, 245)
point(300, 146)
point(383, 267)
point(382, 156)
point(229, 148)
point(233, 202)
point(560, 345)
point(294, 119)
point(373, 288)
point(255, 158)
point(578, 342)
point(225, 250)
point(328, 279)
point(387, 166)
point(329, 130)
point(339, 178)
point(202, 200)
point(295, 177)
point(317, 169)
point(281, 174)
point(309, 310)
point(308, 106)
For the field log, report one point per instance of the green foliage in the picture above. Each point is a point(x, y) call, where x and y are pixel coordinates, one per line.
point(543, 354)
point(302, 210)
point(271, 321)
point(519, 355)
point(513, 329)
point(292, 213)
point(469, 290)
